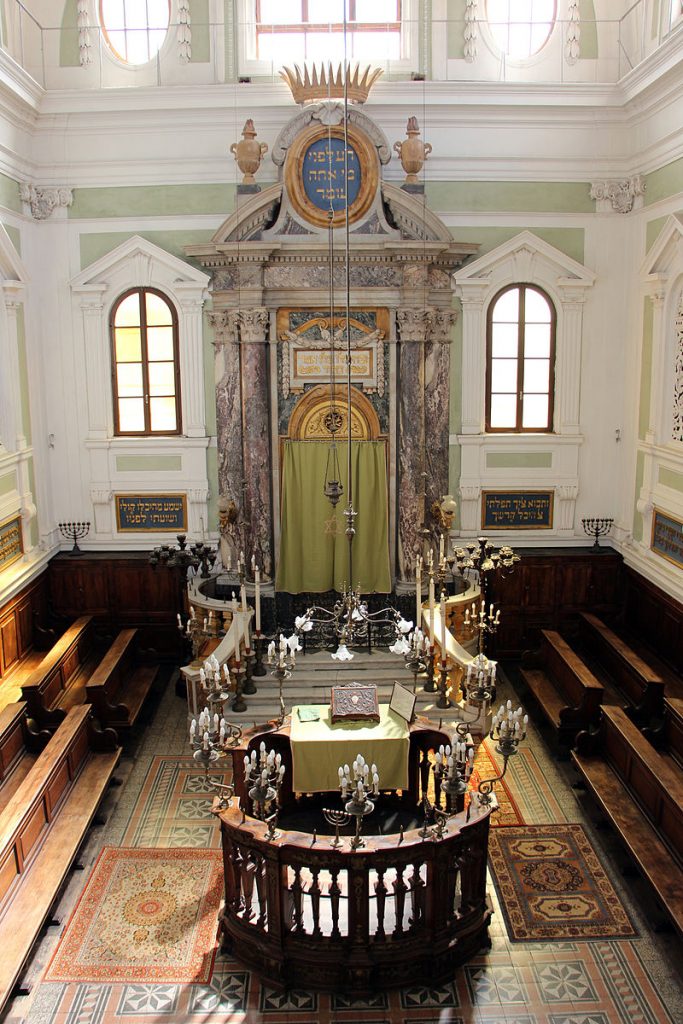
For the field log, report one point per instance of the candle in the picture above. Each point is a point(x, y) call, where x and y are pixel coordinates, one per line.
point(443, 627)
point(180, 621)
point(257, 596)
point(431, 610)
point(243, 597)
point(440, 550)
point(206, 741)
point(418, 592)
point(253, 563)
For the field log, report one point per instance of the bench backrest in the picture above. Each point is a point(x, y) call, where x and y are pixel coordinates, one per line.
point(566, 668)
point(636, 679)
point(55, 672)
point(657, 786)
point(115, 664)
point(25, 819)
point(673, 728)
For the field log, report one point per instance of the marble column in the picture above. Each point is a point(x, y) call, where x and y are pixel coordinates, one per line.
point(437, 407)
point(253, 330)
point(229, 414)
point(412, 327)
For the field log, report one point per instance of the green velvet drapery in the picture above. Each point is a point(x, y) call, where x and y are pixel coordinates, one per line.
point(313, 557)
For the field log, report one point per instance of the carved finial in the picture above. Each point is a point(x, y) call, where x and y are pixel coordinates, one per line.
point(412, 152)
point(249, 153)
point(309, 86)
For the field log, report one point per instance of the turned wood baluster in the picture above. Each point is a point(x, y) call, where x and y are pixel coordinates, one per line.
point(335, 894)
point(381, 894)
point(418, 896)
point(314, 893)
point(231, 886)
point(425, 768)
point(297, 890)
point(248, 886)
point(261, 890)
point(237, 862)
point(400, 888)
point(452, 886)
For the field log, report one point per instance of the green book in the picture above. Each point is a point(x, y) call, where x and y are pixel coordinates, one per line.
point(308, 714)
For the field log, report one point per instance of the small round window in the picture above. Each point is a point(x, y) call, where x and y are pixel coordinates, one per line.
point(135, 29)
point(520, 28)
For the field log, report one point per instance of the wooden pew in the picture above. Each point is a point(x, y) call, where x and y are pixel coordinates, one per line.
point(118, 687)
point(19, 748)
point(642, 687)
point(667, 734)
point(641, 793)
point(58, 682)
point(41, 830)
point(563, 686)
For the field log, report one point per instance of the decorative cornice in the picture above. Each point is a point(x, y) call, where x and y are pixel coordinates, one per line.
point(43, 199)
point(619, 195)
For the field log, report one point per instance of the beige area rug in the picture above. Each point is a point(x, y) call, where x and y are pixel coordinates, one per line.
point(144, 914)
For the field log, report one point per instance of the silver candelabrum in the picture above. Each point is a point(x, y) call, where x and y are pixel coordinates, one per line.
point(365, 783)
point(508, 729)
point(197, 630)
point(211, 738)
point(282, 656)
point(263, 775)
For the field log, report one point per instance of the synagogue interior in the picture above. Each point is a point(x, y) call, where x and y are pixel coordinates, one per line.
point(341, 511)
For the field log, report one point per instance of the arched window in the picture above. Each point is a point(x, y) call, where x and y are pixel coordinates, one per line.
point(146, 384)
point(135, 29)
point(313, 30)
point(520, 28)
point(520, 360)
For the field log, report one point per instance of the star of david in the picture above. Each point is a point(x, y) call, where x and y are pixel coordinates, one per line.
point(332, 527)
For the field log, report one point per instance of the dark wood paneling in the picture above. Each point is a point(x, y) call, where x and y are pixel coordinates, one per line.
point(655, 618)
point(18, 618)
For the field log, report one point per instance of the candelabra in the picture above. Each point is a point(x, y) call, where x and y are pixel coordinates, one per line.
point(75, 532)
point(481, 624)
point(452, 769)
point(283, 658)
point(479, 558)
point(416, 652)
point(263, 774)
point(597, 528)
point(198, 556)
point(480, 681)
point(508, 729)
point(210, 737)
point(351, 622)
point(197, 631)
point(365, 781)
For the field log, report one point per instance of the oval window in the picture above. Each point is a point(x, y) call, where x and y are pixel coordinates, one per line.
point(520, 28)
point(135, 29)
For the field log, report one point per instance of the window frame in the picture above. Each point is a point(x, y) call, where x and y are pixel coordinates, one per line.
point(352, 25)
point(522, 287)
point(113, 52)
point(530, 59)
point(140, 291)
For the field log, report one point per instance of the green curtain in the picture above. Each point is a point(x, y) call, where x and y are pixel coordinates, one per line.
point(313, 544)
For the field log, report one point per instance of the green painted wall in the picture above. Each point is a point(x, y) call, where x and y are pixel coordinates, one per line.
point(589, 31)
point(199, 15)
point(669, 478)
point(23, 375)
point(14, 236)
point(455, 13)
point(69, 54)
point(652, 231)
point(9, 194)
point(570, 241)
point(149, 463)
point(100, 243)
point(33, 530)
point(152, 200)
point(209, 376)
point(654, 26)
point(509, 196)
point(665, 182)
point(212, 477)
point(8, 483)
point(519, 460)
point(645, 370)
point(637, 518)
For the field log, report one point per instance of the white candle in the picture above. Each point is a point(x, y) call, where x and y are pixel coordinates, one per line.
point(443, 626)
point(440, 550)
point(257, 579)
point(243, 597)
point(418, 592)
point(180, 621)
point(431, 610)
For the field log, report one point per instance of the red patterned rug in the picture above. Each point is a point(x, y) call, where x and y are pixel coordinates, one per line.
point(552, 885)
point(144, 915)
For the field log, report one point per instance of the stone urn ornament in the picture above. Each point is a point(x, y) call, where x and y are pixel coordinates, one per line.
point(249, 153)
point(412, 152)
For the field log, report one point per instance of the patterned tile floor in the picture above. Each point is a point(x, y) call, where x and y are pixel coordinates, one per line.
point(163, 803)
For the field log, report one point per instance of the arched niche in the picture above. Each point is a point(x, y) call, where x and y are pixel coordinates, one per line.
point(318, 416)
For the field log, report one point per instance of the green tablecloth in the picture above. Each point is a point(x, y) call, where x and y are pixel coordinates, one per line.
point(319, 748)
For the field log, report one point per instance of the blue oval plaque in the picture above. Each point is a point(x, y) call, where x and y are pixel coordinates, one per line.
point(324, 174)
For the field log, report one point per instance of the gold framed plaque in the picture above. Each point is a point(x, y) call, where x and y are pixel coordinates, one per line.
point(319, 176)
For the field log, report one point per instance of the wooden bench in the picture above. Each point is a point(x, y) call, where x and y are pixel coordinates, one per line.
point(563, 686)
point(641, 794)
point(667, 734)
point(642, 687)
point(118, 687)
point(58, 682)
point(41, 830)
point(19, 748)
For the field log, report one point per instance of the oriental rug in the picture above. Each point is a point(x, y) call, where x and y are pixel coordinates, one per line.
point(552, 885)
point(485, 767)
point(144, 915)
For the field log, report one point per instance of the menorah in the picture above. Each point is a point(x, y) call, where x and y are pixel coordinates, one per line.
point(597, 528)
point(508, 728)
point(210, 738)
point(481, 623)
point(263, 773)
point(283, 657)
point(75, 532)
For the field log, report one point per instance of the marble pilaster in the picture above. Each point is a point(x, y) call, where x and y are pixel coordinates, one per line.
point(229, 412)
point(437, 404)
point(412, 327)
point(253, 330)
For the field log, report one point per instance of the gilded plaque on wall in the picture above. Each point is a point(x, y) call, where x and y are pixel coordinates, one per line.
point(11, 541)
point(667, 537)
point(152, 513)
point(517, 510)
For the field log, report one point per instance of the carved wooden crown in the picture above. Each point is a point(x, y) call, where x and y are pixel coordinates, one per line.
point(327, 83)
